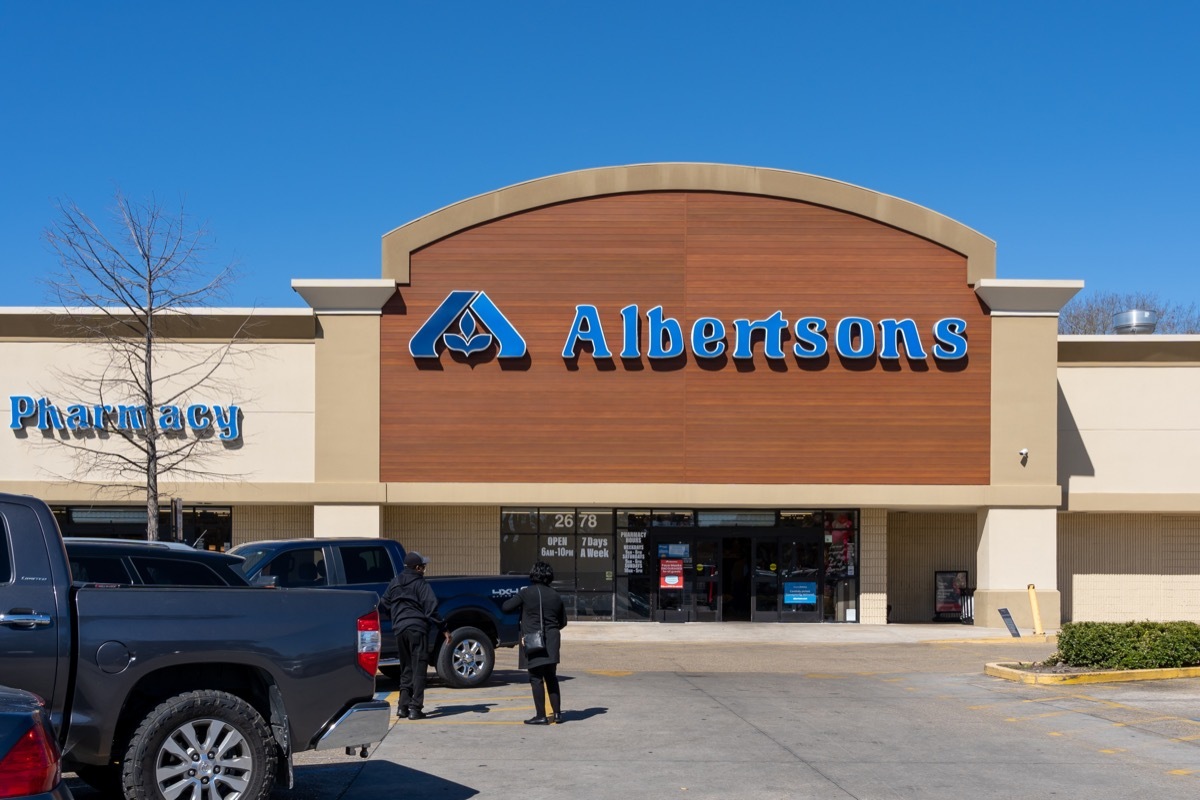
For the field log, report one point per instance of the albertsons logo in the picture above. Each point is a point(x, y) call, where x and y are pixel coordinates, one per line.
point(467, 323)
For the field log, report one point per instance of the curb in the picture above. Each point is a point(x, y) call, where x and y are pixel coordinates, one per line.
point(1042, 639)
point(1010, 673)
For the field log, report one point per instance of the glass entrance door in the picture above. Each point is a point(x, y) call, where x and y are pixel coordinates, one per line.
point(706, 577)
point(766, 580)
point(788, 577)
point(801, 576)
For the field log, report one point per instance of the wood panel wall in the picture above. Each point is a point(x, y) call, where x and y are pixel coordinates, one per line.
point(551, 419)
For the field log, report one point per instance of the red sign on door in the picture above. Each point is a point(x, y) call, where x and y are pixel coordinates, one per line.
point(670, 573)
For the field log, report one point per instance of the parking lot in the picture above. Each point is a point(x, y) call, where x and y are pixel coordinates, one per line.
point(775, 717)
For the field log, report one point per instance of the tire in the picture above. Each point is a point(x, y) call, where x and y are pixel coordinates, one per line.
point(105, 779)
point(200, 746)
point(468, 660)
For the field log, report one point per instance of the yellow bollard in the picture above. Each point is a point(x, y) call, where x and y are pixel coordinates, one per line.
point(1037, 615)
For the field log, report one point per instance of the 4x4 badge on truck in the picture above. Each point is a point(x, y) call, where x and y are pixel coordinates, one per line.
point(467, 311)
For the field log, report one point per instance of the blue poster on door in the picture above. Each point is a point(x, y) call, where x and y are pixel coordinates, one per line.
point(800, 593)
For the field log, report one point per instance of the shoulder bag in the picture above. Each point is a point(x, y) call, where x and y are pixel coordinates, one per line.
point(535, 643)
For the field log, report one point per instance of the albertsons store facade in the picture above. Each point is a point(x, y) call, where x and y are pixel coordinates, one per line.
point(701, 392)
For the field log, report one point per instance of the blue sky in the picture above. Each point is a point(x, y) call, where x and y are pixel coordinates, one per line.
point(302, 132)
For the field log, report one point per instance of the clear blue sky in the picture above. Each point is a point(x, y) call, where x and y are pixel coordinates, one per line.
point(302, 132)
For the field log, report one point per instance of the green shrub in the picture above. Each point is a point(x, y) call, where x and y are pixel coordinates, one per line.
point(1129, 645)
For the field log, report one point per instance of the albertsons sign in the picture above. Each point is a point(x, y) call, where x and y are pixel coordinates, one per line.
point(468, 322)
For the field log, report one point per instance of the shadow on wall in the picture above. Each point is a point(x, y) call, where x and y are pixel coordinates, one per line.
point(1073, 458)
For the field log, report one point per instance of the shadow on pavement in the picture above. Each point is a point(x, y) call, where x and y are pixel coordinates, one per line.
point(385, 779)
point(450, 711)
point(579, 715)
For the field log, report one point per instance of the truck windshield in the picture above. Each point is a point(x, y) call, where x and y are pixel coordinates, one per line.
point(254, 557)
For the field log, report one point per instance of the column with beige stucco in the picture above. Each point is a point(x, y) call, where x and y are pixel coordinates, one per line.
point(347, 493)
point(1018, 541)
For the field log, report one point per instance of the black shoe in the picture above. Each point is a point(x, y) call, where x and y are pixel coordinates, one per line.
point(558, 718)
point(416, 713)
point(537, 721)
point(402, 712)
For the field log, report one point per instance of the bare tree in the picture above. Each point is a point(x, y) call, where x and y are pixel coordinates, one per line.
point(1092, 314)
point(131, 291)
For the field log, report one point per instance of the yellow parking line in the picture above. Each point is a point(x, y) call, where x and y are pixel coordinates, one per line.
point(1047, 715)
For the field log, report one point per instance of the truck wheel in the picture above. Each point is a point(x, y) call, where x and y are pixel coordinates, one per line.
point(468, 660)
point(203, 746)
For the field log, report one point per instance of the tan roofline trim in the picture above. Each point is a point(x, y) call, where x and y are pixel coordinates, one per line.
point(1117, 349)
point(400, 243)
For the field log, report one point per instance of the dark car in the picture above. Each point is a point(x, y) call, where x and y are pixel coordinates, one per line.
point(30, 761)
point(132, 562)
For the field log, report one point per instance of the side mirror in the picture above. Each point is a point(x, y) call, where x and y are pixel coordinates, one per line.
point(265, 581)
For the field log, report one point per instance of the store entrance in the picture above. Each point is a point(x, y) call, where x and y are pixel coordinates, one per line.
point(773, 575)
point(788, 578)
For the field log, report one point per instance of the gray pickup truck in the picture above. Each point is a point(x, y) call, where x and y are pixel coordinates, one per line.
point(166, 692)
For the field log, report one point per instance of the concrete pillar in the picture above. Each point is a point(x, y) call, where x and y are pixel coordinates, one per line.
point(1017, 547)
point(872, 598)
point(343, 520)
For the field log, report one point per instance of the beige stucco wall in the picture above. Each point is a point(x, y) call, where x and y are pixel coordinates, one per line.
point(1130, 436)
point(347, 399)
point(919, 544)
point(272, 382)
point(457, 540)
point(1123, 567)
point(1024, 362)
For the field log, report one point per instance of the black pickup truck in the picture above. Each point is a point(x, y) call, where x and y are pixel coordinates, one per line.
point(164, 692)
point(469, 604)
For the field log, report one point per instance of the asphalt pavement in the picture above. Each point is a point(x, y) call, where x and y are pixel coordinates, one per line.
point(780, 711)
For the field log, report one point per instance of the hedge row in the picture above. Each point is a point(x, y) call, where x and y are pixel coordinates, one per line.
point(1129, 645)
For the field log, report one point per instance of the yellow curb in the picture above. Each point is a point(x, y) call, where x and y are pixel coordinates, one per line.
point(1109, 676)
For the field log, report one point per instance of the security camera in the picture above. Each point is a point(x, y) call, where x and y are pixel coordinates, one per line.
point(1024, 451)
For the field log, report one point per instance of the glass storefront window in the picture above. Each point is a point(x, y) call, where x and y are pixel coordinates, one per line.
point(729, 519)
point(800, 519)
point(556, 520)
point(796, 564)
point(518, 520)
point(518, 552)
point(673, 519)
point(594, 562)
point(633, 520)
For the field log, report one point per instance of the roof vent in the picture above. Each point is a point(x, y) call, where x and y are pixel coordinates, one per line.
point(1135, 322)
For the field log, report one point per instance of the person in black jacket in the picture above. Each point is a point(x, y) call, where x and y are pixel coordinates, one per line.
point(541, 610)
point(411, 604)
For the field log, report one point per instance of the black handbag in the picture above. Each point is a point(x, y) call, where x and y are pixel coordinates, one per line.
point(535, 643)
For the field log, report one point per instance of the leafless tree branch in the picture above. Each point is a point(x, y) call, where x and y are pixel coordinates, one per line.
point(120, 288)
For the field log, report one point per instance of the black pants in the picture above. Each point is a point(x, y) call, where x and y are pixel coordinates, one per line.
point(413, 644)
point(544, 680)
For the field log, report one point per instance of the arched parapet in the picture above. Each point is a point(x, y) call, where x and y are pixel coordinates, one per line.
point(399, 244)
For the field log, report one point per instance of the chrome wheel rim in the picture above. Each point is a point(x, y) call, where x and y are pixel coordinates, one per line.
point(469, 658)
point(204, 759)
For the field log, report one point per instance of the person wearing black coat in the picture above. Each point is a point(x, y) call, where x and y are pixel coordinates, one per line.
point(541, 609)
point(411, 604)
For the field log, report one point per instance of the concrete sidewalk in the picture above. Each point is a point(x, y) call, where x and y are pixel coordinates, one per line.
point(777, 633)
